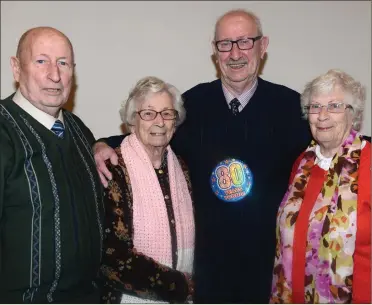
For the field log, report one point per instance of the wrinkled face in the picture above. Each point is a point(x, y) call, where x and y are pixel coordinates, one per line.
point(330, 129)
point(44, 71)
point(239, 68)
point(158, 132)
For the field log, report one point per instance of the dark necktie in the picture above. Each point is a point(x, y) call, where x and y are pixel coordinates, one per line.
point(58, 129)
point(234, 104)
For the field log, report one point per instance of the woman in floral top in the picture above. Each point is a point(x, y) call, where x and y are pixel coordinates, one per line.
point(323, 252)
point(149, 223)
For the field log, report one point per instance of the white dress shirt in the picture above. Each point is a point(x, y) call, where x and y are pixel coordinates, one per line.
point(42, 117)
point(243, 98)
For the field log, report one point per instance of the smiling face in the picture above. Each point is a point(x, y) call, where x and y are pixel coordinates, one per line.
point(239, 68)
point(330, 129)
point(44, 70)
point(157, 133)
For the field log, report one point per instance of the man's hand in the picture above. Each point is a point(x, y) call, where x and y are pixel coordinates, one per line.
point(103, 152)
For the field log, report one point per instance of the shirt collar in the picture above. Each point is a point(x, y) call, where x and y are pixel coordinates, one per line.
point(43, 118)
point(244, 97)
point(325, 162)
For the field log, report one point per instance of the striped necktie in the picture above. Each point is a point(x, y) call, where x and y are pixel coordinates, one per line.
point(234, 104)
point(58, 129)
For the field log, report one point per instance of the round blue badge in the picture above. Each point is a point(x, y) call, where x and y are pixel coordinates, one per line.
point(231, 180)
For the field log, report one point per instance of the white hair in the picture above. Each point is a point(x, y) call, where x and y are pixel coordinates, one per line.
point(142, 90)
point(354, 92)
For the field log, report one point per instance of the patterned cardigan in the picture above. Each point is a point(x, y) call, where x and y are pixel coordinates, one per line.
point(123, 269)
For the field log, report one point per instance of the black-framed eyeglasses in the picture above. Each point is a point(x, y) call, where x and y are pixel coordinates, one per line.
point(335, 107)
point(166, 114)
point(243, 44)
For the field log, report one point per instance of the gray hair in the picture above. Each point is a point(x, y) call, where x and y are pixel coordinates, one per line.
point(243, 12)
point(355, 93)
point(144, 88)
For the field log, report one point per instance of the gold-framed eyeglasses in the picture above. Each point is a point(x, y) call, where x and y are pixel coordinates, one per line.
point(166, 114)
point(334, 107)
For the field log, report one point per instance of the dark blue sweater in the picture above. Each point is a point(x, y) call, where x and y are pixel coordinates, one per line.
point(235, 242)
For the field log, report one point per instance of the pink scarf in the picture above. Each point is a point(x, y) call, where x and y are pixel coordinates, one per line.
point(150, 218)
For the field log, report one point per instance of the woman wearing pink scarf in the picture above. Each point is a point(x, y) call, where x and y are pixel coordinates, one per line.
point(149, 244)
point(323, 252)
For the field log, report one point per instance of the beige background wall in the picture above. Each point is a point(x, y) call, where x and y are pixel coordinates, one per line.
point(116, 43)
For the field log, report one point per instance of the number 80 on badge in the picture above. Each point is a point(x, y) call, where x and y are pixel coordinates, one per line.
point(231, 180)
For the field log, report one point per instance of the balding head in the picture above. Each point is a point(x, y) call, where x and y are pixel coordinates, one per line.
point(238, 13)
point(239, 62)
point(44, 68)
point(25, 42)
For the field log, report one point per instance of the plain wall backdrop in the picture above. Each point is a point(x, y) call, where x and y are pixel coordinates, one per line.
point(117, 43)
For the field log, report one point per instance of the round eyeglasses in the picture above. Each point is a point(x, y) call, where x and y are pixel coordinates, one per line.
point(166, 114)
point(337, 107)
point(243, 44)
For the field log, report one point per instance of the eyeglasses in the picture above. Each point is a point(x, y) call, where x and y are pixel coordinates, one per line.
point(338, 107)
point(243, 44)
point(166, 114)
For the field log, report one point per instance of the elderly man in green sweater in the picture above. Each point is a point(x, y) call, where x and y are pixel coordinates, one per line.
point(50, 194)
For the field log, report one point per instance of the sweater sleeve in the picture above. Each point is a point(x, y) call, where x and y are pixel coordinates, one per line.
point(113, 141)
point(6, 161)
point(123, 268)
point(6, 165)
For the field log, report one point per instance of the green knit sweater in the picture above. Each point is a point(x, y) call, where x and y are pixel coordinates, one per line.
point(50, 211)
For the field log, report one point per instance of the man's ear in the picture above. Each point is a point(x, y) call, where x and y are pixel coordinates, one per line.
point(264, 44)
point(16, 68)
point(214, 48)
